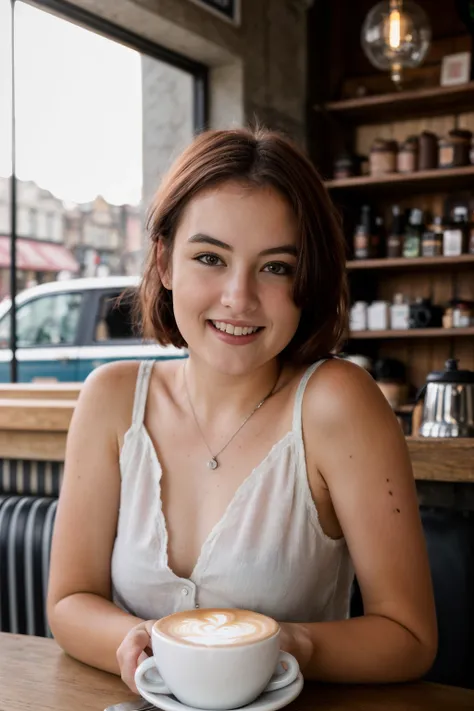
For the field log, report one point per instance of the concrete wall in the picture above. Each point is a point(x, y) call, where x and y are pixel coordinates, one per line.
point(257, 69)
point(167, 120)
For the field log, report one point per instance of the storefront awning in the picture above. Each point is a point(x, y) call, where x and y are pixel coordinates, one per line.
point(35, 256)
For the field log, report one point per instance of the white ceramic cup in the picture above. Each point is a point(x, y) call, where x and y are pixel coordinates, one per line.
point(215, 677)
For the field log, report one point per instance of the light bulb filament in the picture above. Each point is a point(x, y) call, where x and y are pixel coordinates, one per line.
point(394, 29)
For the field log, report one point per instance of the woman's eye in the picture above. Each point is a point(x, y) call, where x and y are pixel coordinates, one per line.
point(278, 268)
point(211, 260)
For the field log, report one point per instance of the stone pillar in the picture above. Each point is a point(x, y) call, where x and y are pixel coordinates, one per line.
point(167, 120)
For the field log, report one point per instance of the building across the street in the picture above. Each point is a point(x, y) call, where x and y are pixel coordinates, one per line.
point(56, 240)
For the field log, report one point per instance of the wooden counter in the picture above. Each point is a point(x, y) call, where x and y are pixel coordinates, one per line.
point(36, 428)
point(450, 460)
point(40, 391)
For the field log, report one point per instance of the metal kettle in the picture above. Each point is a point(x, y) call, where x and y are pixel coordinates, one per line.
point(448, 408)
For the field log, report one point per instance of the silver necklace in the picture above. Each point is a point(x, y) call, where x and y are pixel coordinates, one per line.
point(213, 462)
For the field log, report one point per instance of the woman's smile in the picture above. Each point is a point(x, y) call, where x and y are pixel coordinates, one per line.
point(234, 335)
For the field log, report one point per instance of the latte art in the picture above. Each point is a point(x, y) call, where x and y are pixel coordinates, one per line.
point(217, 628)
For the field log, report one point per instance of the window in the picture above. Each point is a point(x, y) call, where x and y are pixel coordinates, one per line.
point(108, 120)
point(47, 321)
point(111, 110)
point(50, 226)
point(115, 320)
point(33, 231)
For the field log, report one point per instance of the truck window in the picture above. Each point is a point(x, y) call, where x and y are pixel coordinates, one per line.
point(50, 320)
point(115, 321)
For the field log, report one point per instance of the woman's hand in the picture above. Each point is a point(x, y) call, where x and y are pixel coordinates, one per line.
point(296, 640)
point(135, 648)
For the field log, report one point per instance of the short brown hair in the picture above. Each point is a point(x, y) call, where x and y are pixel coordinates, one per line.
point(261, 158)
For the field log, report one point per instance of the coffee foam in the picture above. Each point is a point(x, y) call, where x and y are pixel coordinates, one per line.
point(217, 627)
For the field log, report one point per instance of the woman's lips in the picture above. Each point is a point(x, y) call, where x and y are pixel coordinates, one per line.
point(234, 340)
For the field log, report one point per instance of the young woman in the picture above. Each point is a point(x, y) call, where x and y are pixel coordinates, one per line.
point(258, 473)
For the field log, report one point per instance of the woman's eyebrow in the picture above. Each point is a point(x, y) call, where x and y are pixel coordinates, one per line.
point(201, 238)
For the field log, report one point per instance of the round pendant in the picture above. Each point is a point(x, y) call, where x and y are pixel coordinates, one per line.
point(212, 463)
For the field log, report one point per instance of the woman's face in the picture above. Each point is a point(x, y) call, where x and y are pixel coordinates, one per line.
point(232, 274)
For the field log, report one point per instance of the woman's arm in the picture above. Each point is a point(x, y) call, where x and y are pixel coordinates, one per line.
point(81, 615)
point(362, 456)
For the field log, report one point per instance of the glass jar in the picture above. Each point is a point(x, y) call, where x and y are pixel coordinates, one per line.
point(344, 167)
point(462, 314)
point(383, 156)
point(448, 317)
point(407, 157)
point(454, 149)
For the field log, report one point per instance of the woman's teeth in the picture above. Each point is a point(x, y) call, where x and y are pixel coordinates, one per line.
point(234, 330)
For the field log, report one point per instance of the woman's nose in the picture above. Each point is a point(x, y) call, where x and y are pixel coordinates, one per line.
point(239, 293)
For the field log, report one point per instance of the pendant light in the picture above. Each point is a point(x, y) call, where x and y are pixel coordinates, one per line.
point(396, 34)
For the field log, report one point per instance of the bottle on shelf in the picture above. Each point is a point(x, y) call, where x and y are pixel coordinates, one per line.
point(378, 316)
point(413, 232)
point(432, 239)
point(395, 234)
point(358, 316)
point(455, 238)
point(399, 313)
point(378, 238)
point(364, 234)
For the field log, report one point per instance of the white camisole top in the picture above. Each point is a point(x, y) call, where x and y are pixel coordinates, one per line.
point(268, 552)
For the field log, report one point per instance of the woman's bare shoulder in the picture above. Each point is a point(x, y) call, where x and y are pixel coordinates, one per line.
point(109, 391)
point(111, 388)
point(340, 391)
point(113, 379)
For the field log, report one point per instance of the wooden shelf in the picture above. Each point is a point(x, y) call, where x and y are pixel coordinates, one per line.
point(434, 101)
point(441, 179)
point(404, 263)
point(413, 333)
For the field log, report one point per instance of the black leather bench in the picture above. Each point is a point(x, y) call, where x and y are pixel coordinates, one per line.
point(28, 499)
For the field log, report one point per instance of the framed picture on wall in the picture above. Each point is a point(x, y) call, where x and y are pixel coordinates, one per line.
point(455, 68)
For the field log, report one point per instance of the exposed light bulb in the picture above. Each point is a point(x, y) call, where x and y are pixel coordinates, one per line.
point(396, 34)
point(394, 22)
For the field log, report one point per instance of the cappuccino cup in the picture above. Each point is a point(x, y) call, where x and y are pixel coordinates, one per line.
point(215, 658)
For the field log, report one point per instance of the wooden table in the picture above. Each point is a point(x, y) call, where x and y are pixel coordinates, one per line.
point(35, 675)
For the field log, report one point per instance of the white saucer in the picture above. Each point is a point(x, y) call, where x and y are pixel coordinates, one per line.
point(268, 701)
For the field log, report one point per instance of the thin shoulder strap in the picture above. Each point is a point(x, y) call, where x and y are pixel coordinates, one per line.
point(141, 391)
point(297, 412)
